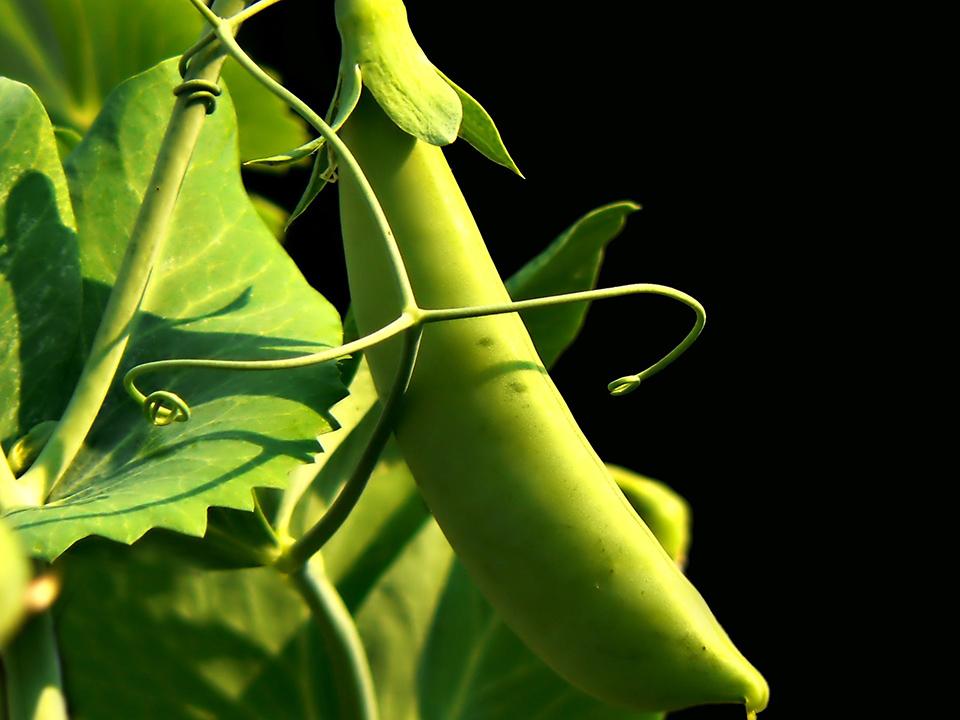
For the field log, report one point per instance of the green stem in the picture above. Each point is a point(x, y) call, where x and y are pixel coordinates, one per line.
point(32, 666)
point(402, 323)
point(348, 659)
point(298, 554)
point(245, 15)
point(620, 386)
point(144, 249)
point(11, 492)
point(222, 28)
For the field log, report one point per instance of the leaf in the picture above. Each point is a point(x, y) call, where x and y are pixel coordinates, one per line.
point(224, 289)
point(74, 52)
point(478, 129)
point(571, 263)
point(273, 216)
point(395, 622)
point(39, 269)
point(348, 94)
point(14, 574)
point(143, 636)
point(474, 667)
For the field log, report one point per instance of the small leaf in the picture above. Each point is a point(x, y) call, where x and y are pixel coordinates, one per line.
point(348, 94)
point(224, 289)
point(289, 156)
point(571, 263)
point(398, 73)
point(319, 177)
point(478, 129)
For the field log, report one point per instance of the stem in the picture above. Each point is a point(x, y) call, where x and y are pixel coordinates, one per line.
point(245, 15)
point(11, 491)
point(343, 152)
point(402, 323)
point(620, 386)
point(307, 546)
point(144, 249)
point(32, 665)
point(354, 683)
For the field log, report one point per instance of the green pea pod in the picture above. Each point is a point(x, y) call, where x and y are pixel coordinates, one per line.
point(516, 488)
point(661, 509)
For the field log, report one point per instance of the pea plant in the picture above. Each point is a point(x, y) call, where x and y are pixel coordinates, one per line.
point(220, 500)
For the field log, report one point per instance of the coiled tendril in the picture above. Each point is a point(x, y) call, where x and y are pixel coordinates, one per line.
point(199, 91)
point(164, 408)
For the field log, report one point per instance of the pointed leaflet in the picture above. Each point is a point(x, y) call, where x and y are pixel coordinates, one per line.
point(571, 263)
point(39, 269)
point(348, 94)
point(74, 52)
point(225, 289)
point(478, 129)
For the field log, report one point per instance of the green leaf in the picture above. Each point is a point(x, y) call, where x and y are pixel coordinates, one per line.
point(14, 575)
point(395, 622)
point(224, 289)
point(478, 129)
point(348, 94)
point(74, 52)
point(474, 667)
point(39, 269)
point(273, 216)
point(144, 636)
point(571, 263)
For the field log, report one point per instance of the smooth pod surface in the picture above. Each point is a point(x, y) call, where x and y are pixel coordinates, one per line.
point(520, 494)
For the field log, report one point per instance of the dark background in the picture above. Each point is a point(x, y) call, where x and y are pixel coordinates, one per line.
point(706, 117)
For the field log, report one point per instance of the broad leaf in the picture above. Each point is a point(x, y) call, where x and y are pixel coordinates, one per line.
point(225, 289)
point(39, 268)
point(74, 52)
point(143, 636)
point(474, 667)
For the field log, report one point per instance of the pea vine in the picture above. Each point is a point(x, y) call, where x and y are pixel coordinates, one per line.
point(35, 471)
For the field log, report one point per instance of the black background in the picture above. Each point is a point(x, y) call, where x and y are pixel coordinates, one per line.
point(704, 116)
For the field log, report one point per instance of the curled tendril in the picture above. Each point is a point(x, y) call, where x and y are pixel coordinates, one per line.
point(164, 408)
point(199, 91)
point(624, 385)
point(191, 52)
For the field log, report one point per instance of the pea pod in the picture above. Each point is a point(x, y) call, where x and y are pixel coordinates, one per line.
point(520, 494)
point(662, 510)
